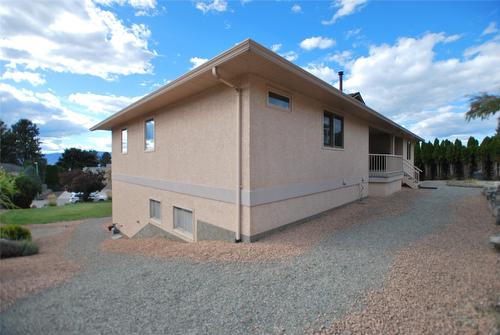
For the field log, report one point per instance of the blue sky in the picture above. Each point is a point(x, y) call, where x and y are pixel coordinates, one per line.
point(69, 64)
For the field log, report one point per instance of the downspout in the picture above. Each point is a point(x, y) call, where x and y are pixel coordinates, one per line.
point(238, 152)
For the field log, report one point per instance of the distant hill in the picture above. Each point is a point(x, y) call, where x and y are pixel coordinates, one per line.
point(54, 157)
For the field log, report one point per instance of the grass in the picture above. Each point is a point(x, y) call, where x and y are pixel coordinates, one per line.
point(57, 214)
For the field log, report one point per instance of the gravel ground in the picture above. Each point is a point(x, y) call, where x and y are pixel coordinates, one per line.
point(121, 293)
point(22, 276)
point(446, 283)
point(288, 243)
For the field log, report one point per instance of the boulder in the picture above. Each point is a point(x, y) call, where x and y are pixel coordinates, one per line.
point(495, 240)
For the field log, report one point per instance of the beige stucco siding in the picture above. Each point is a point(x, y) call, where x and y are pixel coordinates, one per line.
point(195, 145)
point(287, 146)
point(131, 209)
point(195, 142)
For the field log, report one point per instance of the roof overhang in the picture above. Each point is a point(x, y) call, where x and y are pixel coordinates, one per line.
point(249, 57)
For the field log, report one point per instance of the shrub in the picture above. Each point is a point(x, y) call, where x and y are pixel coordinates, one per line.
point(27, 189)
point(17, 248)
point(15, 232)
point(84, 182)
point(7, 189)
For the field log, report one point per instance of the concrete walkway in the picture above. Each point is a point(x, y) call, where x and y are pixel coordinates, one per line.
point(120, 294)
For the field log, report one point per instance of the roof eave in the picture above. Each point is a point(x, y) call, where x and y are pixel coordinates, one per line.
point(207, 66)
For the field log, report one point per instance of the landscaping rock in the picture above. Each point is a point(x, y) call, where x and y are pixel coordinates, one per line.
point(116, 236)
point(495, 240)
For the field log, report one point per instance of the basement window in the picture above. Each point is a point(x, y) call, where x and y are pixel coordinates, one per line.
point(155, 210)
point(183, 220)
point(278, 100)
point(333, 130)
point(124, 141)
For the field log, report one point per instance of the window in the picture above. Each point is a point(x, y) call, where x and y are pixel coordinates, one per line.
point(408, 150)
point(333, 130)
point(278, 100)
point(124, 141)
point(149, 135)
point(155, 210)
point(183, 220)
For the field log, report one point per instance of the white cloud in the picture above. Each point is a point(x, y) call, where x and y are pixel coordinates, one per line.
point(404, 81)
point(133, 3)
point(45, 109)
point(75, 37)
point(317, 42)
point(296, 8)
point(197, 61)
point(352, 33)
point(446, 122)
point(290, 56)
point(345, 7)
point(276, 47)
point(343, 58)
point(322, 71)
point(101, 104)
point(491, 29)
point(213, 5)
point(33, 78)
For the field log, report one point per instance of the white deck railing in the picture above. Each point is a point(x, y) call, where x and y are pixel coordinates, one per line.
point(382, 163)
point(411, 170)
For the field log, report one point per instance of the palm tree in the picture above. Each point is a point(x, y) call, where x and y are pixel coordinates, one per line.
point(483, 106)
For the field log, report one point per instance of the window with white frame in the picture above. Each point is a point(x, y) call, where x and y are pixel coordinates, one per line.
point(149, 135)
point(278, 100)
point(408, 150)
point(124, 141)
point(333, 130)
point(155, 210)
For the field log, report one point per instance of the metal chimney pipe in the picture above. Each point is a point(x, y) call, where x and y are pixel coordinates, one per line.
point(341, 75)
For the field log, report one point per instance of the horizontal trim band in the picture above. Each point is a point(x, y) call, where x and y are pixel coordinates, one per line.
point(255, 197)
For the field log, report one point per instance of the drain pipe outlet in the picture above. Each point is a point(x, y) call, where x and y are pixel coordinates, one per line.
point(238, 152)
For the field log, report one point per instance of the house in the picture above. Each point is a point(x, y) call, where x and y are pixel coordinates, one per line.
point(245, 144)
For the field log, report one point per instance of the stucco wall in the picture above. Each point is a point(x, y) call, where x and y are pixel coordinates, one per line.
point(383, 189)
point(286, 148)
point(131, 209)
point(195, 144)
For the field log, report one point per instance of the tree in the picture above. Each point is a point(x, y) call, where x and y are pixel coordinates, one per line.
point(470, 157)
point(27, 141)
point(7, 145)
point(84, 182)
point(52, 177)
point(105, 159)
point(74, 158)
point(483, 106)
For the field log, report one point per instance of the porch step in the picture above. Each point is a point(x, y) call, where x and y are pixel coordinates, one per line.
point(409, 181)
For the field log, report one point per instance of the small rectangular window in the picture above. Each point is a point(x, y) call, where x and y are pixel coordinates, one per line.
point(149, 135)
point(408, 150)
point(124, 141)
point(155, 210)
point(333, 130)
point(278, 100)
point(183, 220)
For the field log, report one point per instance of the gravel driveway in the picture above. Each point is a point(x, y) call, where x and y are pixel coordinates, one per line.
point(122, 294)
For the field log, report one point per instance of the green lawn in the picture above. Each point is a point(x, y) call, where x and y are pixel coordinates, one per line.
point(57, 214)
